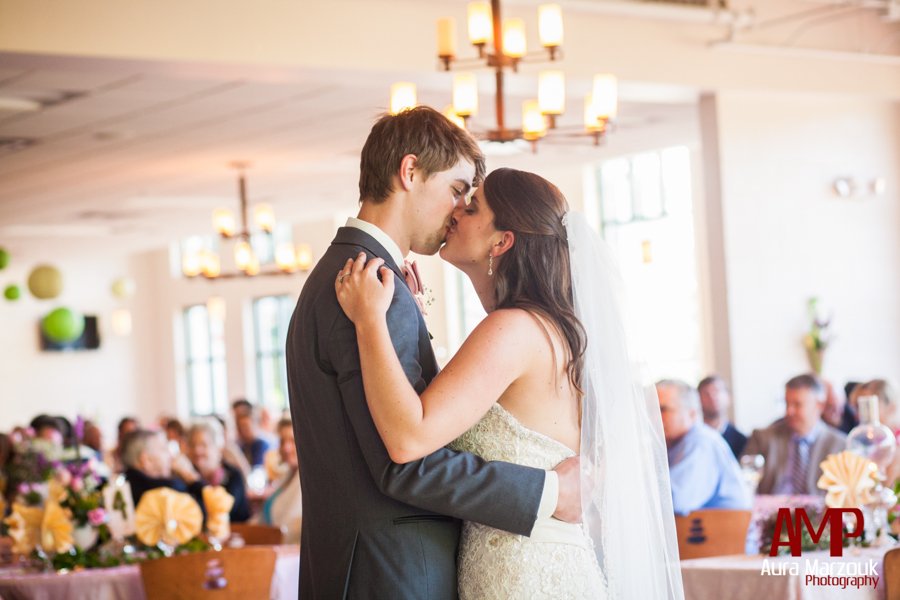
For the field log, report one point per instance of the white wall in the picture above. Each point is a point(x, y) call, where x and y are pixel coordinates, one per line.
point(99, 384)
point(789, 237)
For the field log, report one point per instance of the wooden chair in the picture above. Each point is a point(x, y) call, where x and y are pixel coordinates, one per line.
point(258, 535)
point(712, 532)
point(230, 574)
point(890, 571)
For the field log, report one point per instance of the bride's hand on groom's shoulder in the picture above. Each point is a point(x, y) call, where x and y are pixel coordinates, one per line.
point(360, 292)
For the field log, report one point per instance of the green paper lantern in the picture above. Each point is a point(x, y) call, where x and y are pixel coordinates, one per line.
point(45, 282)
point(12, 293)
point(123, 287)
point(63, 325)
point(4, 258)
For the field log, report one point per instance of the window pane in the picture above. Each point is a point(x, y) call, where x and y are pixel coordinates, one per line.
point(220, 391)
point(205, 361)
point(197, 323)
point(615, 191)
point(217, 336)
point(201, 388)
point(271, 315)
point(676, 168)
point(647, 186)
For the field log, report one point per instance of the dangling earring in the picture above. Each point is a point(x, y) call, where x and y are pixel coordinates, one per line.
point(490, 264)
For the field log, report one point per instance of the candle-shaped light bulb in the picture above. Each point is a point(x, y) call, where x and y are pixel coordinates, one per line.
point(403, 96)
point(534, 125)
point(481, 29)
point(605, 94)
point(243, 255)
point(465, 94)
point(265, 217)
point(514, 44)
point(552, 92)
point(550, 25)
point(446, 35)
point(223, 222)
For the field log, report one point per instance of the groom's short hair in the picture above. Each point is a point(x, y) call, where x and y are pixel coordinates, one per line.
point(437, 142)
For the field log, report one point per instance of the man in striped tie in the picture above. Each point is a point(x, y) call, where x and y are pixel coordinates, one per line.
point(795, 445)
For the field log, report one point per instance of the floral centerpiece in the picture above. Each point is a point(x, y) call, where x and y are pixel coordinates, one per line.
point(818, 338)
point(65, 514)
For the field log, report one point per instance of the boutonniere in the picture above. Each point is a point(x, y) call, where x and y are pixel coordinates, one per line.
point(423, 295)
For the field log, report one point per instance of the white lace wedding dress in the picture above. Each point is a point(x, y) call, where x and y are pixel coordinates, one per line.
point(557, 561)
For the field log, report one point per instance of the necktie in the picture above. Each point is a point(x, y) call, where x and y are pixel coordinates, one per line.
point(798, 466)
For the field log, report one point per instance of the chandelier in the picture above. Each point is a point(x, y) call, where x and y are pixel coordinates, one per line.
point(502, 46)
point(206, 262)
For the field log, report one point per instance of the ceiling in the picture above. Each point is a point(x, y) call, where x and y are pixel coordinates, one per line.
point(135, 154)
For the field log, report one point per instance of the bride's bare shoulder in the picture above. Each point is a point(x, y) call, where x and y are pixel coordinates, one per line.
point(514, 321)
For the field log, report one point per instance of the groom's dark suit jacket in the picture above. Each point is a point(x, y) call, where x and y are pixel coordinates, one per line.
point(372, 528)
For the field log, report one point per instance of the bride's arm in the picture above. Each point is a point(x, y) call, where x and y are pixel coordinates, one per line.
point(492, 357)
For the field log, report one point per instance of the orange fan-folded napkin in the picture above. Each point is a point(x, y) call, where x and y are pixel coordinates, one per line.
point(218, 503)
point(56, 529)
point(848, 480)
point(164, 515)
point(24, 527)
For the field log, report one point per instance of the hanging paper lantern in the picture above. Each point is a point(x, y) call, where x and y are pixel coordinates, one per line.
point(123, 287)
point(12, 293)
point(45, 282)
point(63, 325)
point(4, 258)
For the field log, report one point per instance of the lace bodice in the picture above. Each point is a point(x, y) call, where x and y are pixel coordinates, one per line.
point(500, 436)
point(556, 561)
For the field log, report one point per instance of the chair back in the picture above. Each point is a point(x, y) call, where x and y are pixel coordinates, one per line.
point(258, 535)
point(712, 532)
point(230, 574)
point(891, 572)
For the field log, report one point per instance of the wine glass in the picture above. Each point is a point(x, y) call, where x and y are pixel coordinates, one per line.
point(752, 468)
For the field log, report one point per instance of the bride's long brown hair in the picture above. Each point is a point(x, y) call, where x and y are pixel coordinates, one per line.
point(535, 274)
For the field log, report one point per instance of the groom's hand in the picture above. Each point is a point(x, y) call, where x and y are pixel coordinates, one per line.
point(568, 507)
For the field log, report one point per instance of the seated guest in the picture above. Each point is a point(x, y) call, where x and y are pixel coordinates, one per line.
point(253, 445)
point(49, 428)
point(888, 409)
point(205, 441)
point(715, 398)
point(126, 426)
point(703, 471)
point(838, 412)
point(175, 433)
point(93, 437)
point(284, 507)
point(149, 465)
point(795, 445)
point(232, 453)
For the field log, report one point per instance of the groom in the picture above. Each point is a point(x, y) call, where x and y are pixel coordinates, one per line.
point(372, 528)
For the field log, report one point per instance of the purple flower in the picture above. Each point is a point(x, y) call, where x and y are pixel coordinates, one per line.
point(96, 516)
point(23, 488)
point(79, 429)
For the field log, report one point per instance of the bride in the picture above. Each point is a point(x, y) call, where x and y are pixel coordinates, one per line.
point(545, 376)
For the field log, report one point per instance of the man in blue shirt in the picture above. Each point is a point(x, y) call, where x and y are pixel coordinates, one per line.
point(703, 470)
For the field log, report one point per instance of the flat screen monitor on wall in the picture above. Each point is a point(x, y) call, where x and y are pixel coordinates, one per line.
point(89, 340)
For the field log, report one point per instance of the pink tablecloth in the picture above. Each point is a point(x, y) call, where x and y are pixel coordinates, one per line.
point(124, 583)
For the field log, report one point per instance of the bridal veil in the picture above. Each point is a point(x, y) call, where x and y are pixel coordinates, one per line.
point(626, 495)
